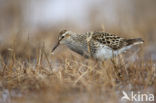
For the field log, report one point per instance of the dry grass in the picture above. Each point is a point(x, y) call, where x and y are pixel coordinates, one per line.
point(30, 74)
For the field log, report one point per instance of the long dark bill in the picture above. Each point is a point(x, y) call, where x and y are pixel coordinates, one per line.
point(55, 47)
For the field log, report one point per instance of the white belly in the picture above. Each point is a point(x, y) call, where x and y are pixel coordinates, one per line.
point(105, 52)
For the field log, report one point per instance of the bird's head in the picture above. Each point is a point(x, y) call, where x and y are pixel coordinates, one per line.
point(63, 36)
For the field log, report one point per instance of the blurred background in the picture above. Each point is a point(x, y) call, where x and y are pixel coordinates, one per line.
point(45, 18)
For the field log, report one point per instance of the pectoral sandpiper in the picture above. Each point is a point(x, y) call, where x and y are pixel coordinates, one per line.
point(97, 45)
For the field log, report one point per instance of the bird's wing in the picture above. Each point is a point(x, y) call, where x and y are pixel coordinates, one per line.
point(110, 40)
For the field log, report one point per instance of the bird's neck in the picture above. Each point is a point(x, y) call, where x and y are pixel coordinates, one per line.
point(78, 37)
point(77, 41)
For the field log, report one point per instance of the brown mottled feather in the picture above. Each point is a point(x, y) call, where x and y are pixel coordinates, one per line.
point(110, 40)
point(113, 41)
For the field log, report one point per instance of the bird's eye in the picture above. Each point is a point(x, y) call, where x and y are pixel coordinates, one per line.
point(62, 37)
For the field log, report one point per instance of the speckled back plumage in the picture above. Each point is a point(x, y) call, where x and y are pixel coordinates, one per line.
point(111, 40)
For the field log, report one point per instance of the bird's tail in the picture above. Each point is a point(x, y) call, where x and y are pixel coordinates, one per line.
point(134, 41)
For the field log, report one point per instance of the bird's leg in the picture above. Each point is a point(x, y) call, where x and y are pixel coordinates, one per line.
point(113, 60)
